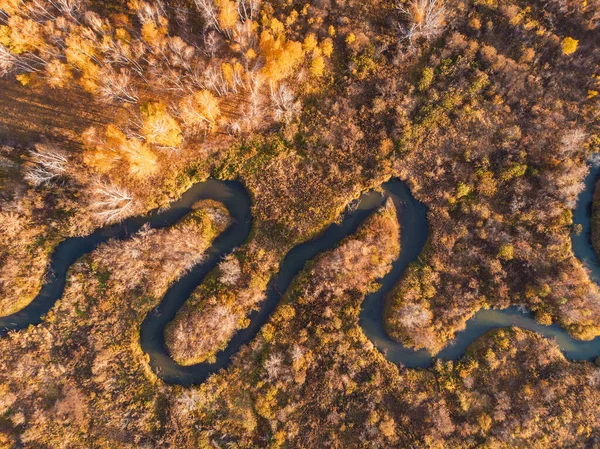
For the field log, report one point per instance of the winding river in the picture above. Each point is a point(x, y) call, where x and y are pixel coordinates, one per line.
point(414, 230)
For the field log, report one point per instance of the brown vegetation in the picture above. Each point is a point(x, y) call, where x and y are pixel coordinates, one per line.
point(312, 379)
point(498, 170)
point(181, 98)
point(487, 109)
point(84, 365)
point(218, 307)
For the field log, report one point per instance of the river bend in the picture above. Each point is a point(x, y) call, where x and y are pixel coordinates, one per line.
point(412, 216)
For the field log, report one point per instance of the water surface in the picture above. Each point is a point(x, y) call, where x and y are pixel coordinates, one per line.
point(413, 225)
point(412, 216)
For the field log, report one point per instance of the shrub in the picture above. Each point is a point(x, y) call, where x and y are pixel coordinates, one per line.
point(569, 46)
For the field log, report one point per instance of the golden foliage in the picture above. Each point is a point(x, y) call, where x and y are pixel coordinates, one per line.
point(159, 126)
point(310, 42)
point(327, 47)
point(57, 73)
point(25, 35)
point(281, 56)
point(102, 154)
point(317, 66)
point(569, 45)
point(228, 14)
point(200, 109)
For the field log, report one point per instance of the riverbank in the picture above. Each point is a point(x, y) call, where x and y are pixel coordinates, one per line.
point(595, 220)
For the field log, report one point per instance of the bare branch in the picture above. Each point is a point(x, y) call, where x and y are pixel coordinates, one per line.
point(248, 9)
point(117, 86)
point(11, 63)
point(209, 13)
point(68, 7)
point(285, 106)
point(426, 19)
point(47, 164)
point(111, 203)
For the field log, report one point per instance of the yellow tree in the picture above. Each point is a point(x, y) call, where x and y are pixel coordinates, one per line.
point(103, 152)
point(281, 56)
point(200, 110)
point(228, 16)
point(233, 74)
point(25, 35)
point(98, 154)
point(569, 45)
point(155, 34)
point(326, 47)
point(159, 127)
point(310, 42)
point(142, 161)
point(227, 70)
point(57, 73)
point(317, 66)
point(11, 7)
point(82, 54)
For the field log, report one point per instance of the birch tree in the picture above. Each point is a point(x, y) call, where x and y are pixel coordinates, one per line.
point(46, 164)
point(110, 203)
point(425, 17)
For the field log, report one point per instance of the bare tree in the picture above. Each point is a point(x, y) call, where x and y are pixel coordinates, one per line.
point(245, 34)
point(254, 109)
point(230, 270)
point(209, 13)
point(274, 365)
point(572, 142)
point(181, 53)
point(95, 22)
point(8, 61)
point(118, 53)
point(111, 203)
point(211, 43)
point(297, 353)
point(26, 62)
point(47, 164)
point(285, 106)
point(199, 110)
point(117, 86)
point(248, 9)
point(237, 80)
point(188, 401)
point(68, 7)
point(149, 12)
point(38, 11)
point(234, 128)
point(426, 19)
point(215, 81)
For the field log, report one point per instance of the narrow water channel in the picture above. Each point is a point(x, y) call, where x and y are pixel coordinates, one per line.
point(413, 225)
point(233, 194)
point(414, 230)
point(153, 327)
